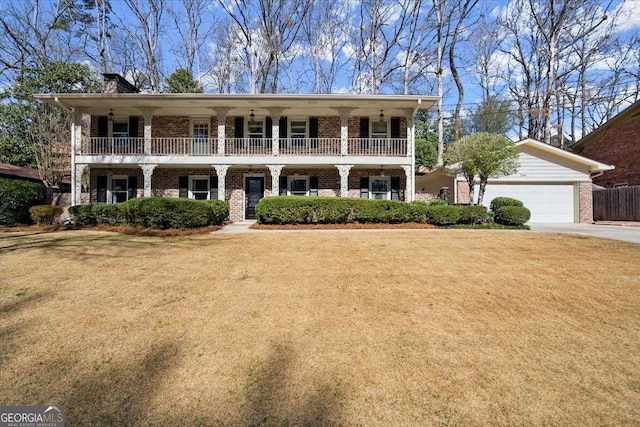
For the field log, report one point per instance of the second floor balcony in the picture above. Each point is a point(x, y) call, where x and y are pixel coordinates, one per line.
point(244, 147)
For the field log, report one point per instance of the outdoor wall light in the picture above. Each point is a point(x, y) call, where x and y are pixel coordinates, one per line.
point(381, 116)
point(110, 115)
point(382, 170)
point(252, 117)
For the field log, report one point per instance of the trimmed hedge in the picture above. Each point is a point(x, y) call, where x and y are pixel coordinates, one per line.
point(16, 197)
point(45, 214)
point(512, 215)
point(154, 212)
point(499, 202)
point(336, 210)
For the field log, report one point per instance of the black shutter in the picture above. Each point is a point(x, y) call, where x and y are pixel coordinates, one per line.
point(395, 127)
point(183, 186)
point(313, 131)
point(313, 186)
point(133, 187)
point(213, 187)
point(268, 124)
point(239, 127)
point(364, 127)
point(395, 188)
point(103, 126)
point(283, 185)
point(364, 187)
point(283, 127)
point(364, 133)
point(238, 133)
point(133, 127)
point(102, 189)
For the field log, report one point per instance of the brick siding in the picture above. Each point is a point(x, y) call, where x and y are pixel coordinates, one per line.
point(164, 182)
point(585, 202)
point(463, 192)
point(619, 146)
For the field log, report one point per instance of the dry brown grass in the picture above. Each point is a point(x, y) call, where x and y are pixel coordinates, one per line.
point(427, 327)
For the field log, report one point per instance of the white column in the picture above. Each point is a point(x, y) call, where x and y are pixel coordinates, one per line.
point(411, 147)
point(147, 171)
point(275, 113)
point(147, 115)
point(408, 192)
point(77, 184)
point(275, 178)
point(221, 171)
point(344, 128)
point(221, 115)
point(344, 179)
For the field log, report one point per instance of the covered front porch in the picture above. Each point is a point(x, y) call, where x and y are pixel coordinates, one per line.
point(242, 186)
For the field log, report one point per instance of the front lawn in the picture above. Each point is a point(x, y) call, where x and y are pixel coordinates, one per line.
point(356, 328)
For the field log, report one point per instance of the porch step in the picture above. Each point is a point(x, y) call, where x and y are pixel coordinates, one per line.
point(236, 227)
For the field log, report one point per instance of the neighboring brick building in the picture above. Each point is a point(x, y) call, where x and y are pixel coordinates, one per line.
point(239, 147)
point(616, 142)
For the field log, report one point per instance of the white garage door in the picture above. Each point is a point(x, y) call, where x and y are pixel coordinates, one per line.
point(547, 202)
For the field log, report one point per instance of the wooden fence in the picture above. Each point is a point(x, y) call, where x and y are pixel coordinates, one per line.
point(617, 204)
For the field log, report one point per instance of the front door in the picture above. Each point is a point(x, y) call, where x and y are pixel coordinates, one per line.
point(254, 191)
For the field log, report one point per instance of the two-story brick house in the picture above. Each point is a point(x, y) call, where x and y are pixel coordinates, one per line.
point(239, 147)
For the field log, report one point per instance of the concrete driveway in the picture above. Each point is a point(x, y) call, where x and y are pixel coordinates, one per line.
point(616, 232)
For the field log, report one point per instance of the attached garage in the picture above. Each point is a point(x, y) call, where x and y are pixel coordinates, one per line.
point(547, 202)
point(554, 184)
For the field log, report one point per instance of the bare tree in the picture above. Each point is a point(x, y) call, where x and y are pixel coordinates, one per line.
point(194, 29)
point(145, 33)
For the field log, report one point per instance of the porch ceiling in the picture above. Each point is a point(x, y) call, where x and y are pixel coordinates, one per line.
point(240, 104)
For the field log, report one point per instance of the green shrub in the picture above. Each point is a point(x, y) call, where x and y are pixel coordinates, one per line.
point(499, 202)
point(512, 215)
point(112, 214)
point(473, 214)
point(438, 202)
point(154, 212)
point(83, 214)
point(336, 210)
point(444, 214)
point(219, 211)
point(16, 197)
point(44, 214)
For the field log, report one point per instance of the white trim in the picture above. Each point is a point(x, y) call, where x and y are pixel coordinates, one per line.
point(112, 178)
point(293, 119)
point(194, 119)
point(298, 177)
point(385, 178)
point(199, 177)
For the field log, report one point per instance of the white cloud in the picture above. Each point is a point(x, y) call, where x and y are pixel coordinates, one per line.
point(629, 15)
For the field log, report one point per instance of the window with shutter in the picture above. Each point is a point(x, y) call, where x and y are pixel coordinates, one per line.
point(395, 188)
point(133, 187)
point(213, 188)
point(313, 186)
point(364, 187)
point(102, 189)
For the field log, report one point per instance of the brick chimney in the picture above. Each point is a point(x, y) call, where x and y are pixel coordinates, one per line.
point(115, 83)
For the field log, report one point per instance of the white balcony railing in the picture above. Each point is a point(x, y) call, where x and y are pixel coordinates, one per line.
point(245, 147)
point(377, 147)
point(113, 146)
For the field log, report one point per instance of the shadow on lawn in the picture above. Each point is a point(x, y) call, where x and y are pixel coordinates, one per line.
point(268, 395)
point(74, 243)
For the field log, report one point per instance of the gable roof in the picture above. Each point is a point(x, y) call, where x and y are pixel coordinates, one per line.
point(620, 118)
point(594, 166)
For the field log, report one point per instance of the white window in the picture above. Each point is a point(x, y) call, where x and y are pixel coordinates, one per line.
point(379, 129)
point(255, 132)
point(119, 188)
point(379, 188)
point(120, 129)
point(199, 187)
point(200, 128)
point(298, 185)
point(298, 132)
point(200, 135)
